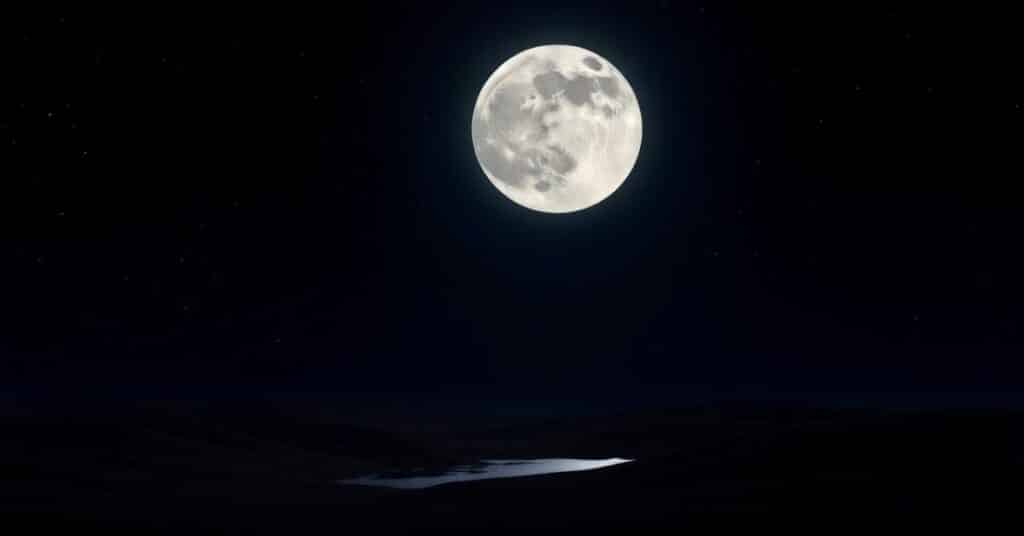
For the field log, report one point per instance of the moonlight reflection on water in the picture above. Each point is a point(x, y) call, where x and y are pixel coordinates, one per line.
point(486, 470)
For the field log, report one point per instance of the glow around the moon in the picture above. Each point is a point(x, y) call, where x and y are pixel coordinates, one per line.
point(557, 128)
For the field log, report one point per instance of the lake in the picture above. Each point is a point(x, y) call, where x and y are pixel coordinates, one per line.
point(484, 470)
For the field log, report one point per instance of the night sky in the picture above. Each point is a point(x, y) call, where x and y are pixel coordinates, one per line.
point(825, 208)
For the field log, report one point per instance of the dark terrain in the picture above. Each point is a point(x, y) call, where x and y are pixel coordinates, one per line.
point(261, 468)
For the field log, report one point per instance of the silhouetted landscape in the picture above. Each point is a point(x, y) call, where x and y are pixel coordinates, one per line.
point(255, 468)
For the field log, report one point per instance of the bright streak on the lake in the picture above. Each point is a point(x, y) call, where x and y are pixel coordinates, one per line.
point(486, 470)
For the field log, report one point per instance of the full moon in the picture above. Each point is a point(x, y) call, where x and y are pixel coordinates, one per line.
point(557, 128)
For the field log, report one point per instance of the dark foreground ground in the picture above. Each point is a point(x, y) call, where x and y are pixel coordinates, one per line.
point(268, 469)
